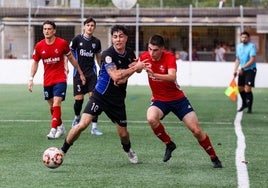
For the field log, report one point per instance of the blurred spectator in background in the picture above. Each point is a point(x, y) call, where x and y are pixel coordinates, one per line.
point(221, 3)
point(219, 53)
point(176, 53)
point(183, 55)
point(194, 55)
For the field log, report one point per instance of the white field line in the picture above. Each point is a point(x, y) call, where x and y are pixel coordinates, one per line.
point(241, 166)
point(108, 121)
point(240, 161)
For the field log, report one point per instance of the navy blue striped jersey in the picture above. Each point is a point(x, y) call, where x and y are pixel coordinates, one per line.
point(105, 84)
point(84, 50)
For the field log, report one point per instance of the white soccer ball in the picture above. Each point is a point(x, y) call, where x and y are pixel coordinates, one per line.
point(52, 157)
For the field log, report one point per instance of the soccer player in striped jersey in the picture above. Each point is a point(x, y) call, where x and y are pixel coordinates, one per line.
point(110, 91)
point(85, 48)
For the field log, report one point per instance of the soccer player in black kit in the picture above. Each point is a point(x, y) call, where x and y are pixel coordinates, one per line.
point(84, 47)
point(110, 91)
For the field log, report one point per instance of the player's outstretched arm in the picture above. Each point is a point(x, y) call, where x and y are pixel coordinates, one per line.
point(120, 76)
point(124, 74)
point(34, 68)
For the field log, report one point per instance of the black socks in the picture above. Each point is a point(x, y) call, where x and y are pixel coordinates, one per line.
point(65, 147)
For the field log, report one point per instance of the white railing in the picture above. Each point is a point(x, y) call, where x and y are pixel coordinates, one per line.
point(202, 73)
point(34, 3)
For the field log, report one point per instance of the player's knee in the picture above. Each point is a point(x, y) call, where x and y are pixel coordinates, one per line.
point(81, 126)
point(124, 136)
point(152, 121)
point(198, 133)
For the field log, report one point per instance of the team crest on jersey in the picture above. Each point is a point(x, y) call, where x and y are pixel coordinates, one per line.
point(56, 51)
point(108, 59)
point(81, 44)
point(93, 45)
point(161, 68)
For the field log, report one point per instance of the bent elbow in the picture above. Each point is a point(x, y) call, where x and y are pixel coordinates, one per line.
point(173, 78)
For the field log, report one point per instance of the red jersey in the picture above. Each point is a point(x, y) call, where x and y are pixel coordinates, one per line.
point(53, 59)
point(163, 90)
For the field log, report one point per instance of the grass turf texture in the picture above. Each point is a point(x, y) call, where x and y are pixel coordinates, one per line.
point(99, 161)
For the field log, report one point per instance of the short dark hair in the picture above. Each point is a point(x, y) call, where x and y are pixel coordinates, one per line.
point(157, 40)
point(122, 28)
point(245, 33)
point(50, 23)
point(88, 20)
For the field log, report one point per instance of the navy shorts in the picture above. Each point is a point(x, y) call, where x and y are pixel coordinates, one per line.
point(179, 107)
point(56, 90)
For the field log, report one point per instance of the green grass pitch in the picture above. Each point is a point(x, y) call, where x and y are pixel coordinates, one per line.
point(99, 161)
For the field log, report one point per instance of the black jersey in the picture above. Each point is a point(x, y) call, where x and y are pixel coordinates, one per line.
point(105, 85)
point(84, 50)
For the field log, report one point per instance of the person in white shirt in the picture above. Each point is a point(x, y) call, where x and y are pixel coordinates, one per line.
point(219, 53)
point(183, 55)
point(221, 3)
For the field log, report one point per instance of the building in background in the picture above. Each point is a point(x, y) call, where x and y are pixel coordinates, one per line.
point(20, 26)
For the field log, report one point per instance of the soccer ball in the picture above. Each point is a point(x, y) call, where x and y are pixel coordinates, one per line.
point(52, 157)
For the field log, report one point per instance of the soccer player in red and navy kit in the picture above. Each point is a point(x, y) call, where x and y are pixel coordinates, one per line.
point(168, 97)
point(52, 51)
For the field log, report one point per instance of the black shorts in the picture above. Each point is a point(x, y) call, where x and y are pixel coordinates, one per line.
point(114, 108)
point(179, 107)
point(80, 89)
point(247, 78)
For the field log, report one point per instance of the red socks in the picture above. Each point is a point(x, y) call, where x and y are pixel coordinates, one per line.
point(164, 137)
point(56, 117)
point(206, 144)
point(162, 134)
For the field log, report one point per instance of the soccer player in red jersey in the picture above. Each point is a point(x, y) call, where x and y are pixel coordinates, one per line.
point(168, 97)
point(52, 51)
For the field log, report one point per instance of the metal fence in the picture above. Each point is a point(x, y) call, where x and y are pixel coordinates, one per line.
point(184, 32)
point(142, 3)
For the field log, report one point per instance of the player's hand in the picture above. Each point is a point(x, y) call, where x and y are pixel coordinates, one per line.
point(133, 63)
point(30, 85)
point(148, 67)
point(140, 64)
point(240, 71)
point(149, 70)
point(83, 79)
point(150, 74)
